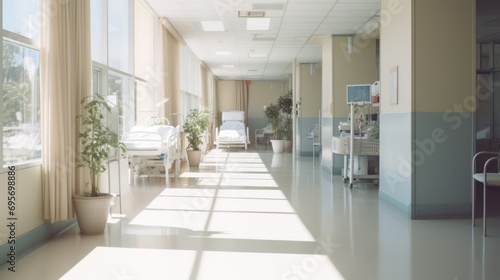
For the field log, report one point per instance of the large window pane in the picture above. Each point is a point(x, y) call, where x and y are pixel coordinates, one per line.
point(119, 35)
point(144, 42)
point(21, 104)
point(121, 98)
point(98, 30)
point(20, 16)
point(146, 107)
point(96, 81)
point(496, 106)
point(483, 112)
point(496, 49)
point(485, 56)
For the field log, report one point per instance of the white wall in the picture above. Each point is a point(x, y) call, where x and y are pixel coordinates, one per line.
point(28, 201)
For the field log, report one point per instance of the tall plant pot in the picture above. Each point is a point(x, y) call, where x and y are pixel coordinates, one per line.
point(194, 158)
point(278, 146)
point(92, 213)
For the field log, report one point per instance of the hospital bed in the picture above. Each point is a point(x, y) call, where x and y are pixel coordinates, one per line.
point(151, 147)
point(232, 132)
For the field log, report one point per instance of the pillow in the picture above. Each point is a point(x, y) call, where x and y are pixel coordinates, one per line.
point(232, 126)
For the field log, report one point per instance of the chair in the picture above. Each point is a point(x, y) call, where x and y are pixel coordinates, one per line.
point(263, 134)
point(488, 179)
point(314, 134)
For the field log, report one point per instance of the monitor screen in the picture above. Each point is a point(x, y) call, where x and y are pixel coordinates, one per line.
point(359, 94)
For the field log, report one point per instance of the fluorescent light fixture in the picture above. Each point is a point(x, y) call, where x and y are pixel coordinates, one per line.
point(227, 66)
point(258, 23)
point(212, 26)
point(222, 53)
point(257, 55)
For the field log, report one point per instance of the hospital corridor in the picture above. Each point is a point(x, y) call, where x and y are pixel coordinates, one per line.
point(258, 215)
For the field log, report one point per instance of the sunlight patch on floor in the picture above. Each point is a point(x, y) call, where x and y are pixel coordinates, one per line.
point(266, 266)
point(108, 263)
point(105, 263)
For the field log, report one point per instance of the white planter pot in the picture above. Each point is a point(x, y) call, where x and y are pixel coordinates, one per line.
point(194, 158)
point(278, 146)
point(288, 144)
point(92, 213)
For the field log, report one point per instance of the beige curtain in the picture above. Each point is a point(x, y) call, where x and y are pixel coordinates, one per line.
point(204, 86)
point(66, 71)
point(242, 98)
point(215, 100)
point(169, 77)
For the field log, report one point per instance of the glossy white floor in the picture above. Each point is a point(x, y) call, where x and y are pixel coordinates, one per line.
point(259, 216)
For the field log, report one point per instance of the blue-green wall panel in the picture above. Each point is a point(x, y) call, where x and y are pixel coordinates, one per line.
point(395, 185)
point(442, 160)
point(33, 239)
point(326, 142)
point(425, 163)
point(306, 144)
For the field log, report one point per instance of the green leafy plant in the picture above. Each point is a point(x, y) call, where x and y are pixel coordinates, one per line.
point(285, 104)
point(273, 115)
point(96, 138)
point(196, 124)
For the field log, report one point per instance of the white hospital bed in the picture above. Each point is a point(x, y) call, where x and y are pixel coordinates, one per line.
point(232, 132)
point(150, 147)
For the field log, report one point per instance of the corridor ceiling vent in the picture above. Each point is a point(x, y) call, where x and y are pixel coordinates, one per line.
point(251, 14)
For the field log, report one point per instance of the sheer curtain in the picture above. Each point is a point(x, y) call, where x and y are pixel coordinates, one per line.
point(242, 98)
point(65, 71)
point(169, 86)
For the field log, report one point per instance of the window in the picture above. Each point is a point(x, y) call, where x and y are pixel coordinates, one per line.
point(496, 55)
point(496, 105)
point(119, 35)
point(120, 97)
point(98, 31)
point(190, 81)
point(145, 104)
point(124, 67)
point(20, 83)
point(144, 42)
point(20, 17)
point(488, 90)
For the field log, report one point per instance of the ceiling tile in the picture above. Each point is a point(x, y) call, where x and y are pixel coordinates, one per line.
point(297, 32)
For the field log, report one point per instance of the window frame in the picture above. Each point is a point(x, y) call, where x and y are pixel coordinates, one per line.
point(25, 42)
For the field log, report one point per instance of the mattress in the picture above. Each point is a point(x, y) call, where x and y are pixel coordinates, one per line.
point(148, 139)
point(231, 131)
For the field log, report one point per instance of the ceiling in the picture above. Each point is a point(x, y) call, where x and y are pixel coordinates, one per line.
point(297, 29)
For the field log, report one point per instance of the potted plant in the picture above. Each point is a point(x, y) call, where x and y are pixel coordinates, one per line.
point(273, 115)
point(285, 103)
point(92, 207)
point(195, 127)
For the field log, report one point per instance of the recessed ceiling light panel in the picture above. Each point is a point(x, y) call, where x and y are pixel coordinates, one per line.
point(257, 55)
point(212, 26)
point(258, 23)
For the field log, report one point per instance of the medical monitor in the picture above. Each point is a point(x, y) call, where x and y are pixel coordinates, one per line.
point(359, 94)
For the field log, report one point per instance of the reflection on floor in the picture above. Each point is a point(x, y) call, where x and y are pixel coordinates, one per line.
point(257, 215)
